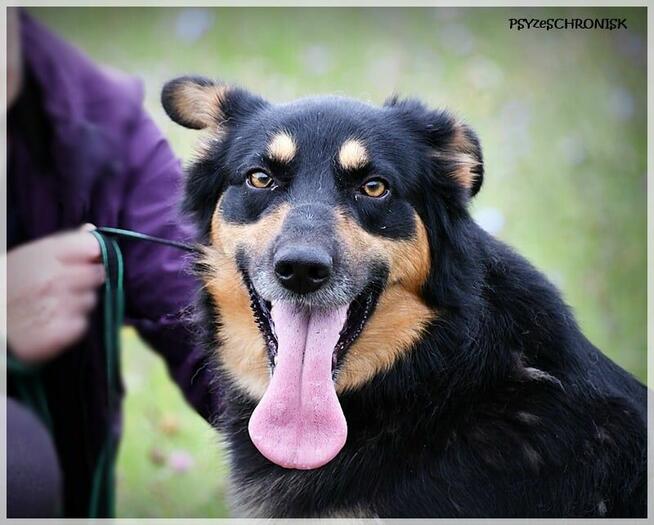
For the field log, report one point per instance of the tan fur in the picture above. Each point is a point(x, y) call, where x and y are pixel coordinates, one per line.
point(461, 153)
point(398, 322)
point(282, 148)
point(352, 155)
point(401, 315)
point(409, 260)
point(243, 350)
point(200, 105)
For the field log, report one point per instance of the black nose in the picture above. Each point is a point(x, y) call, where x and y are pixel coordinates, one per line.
point(303, 269)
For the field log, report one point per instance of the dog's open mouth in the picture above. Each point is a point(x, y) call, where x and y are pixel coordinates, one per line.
point(299, 422)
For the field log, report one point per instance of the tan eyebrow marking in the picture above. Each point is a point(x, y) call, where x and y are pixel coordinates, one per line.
point(282, 147)
point(353, 155)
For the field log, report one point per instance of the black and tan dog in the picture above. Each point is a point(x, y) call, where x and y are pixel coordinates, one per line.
point(380, 354)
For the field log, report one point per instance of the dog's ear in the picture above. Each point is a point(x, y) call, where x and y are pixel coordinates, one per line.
point(460, 153)
point(199, 103)
point(453, 146)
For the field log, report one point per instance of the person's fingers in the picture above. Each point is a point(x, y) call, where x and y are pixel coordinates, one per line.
point(87, 227)
point(78, 246)
point(68, 331)
point(84, 276)
point(86, 301)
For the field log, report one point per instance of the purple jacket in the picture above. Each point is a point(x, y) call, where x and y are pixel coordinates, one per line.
point(106, 163)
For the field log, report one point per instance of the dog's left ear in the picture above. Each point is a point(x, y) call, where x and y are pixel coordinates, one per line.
point(453, 146)
point(461, 155)
point(199, 103)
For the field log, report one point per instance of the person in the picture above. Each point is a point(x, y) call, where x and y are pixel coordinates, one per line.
point(81, 150)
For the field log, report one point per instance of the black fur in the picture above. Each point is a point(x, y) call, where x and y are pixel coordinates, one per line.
point(504, 408)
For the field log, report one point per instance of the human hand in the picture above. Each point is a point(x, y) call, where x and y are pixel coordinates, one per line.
point(51, 289)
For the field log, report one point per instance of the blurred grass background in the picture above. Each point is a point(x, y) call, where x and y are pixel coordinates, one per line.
point(562, 120)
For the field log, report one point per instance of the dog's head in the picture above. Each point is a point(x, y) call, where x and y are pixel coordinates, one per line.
point(319, 244)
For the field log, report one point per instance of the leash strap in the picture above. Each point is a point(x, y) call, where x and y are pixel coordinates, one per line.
point(103, 498)
point(29, 381)
point(129, 234)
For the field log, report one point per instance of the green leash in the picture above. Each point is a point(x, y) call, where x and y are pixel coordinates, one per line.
point(114, 313)
point(31, 390)
point(29, 381)
point(138, 236)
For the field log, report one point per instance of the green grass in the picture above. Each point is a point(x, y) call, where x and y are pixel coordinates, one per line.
point(561, 116)
point(170, 462)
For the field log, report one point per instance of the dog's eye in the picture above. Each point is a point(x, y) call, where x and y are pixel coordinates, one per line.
point(259, 180)
point(374, 188)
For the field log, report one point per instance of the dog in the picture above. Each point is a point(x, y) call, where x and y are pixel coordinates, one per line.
point(381, 355)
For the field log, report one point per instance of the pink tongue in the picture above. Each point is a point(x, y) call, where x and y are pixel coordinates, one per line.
point(299, 422)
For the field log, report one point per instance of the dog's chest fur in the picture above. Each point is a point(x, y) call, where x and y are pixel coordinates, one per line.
point(390, 452)
point(496, 460)
point(347, 487)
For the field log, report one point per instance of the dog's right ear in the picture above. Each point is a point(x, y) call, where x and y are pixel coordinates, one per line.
point(198, 103)
point(455, 148)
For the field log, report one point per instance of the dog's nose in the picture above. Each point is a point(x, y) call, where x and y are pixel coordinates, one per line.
point(303, 269)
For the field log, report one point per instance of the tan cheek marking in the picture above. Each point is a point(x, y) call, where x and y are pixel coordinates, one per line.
point(201, 104)
point(282, 148)
point(352, 155)
point(398, 323)
point(243, 351)
point(409, 260)
point(401, 315)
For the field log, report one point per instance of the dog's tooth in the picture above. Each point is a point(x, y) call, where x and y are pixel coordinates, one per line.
point(275, 359)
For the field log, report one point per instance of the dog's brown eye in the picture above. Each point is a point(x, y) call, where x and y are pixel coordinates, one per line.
point(259, 180)
point(374, 188)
